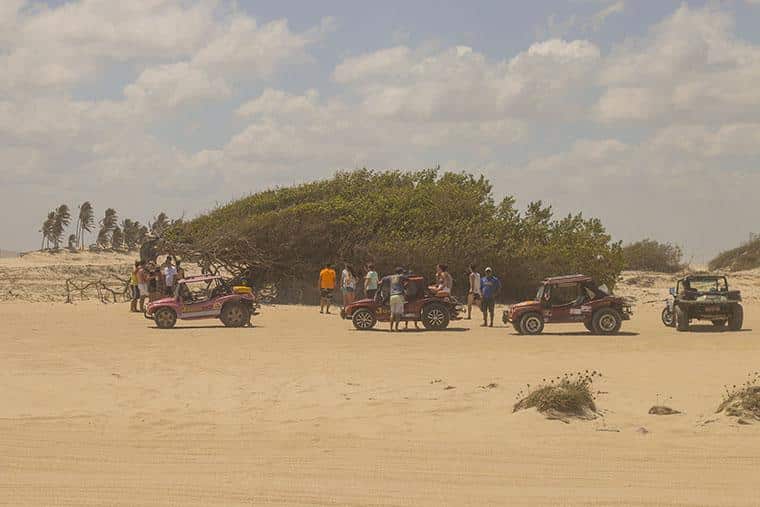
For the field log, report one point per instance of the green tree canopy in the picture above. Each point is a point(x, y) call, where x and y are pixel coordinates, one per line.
point(413, 219)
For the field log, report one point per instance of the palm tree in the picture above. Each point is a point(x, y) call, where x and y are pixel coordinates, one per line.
point(160, 223)
point(85, 221)
point(62, 219)
point(107, 224)
point(117, 238)
point(103, 239)
point(47, 229)
point(131, 229)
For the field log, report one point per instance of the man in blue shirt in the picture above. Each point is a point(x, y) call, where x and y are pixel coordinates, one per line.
point(490, 286)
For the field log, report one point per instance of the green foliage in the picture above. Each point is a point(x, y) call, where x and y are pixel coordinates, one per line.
point(650, 255)
point(413, 219)
point(742, 400)
point(570, 394)
point(745, 256)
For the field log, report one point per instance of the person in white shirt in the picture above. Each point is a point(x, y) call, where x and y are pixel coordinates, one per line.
point(474, 294)
point(170, 273)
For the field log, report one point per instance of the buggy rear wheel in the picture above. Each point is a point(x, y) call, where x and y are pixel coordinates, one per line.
point(435, 316)
point(719, 323)
point(606, 321)
point(165, 318)
point(363, 319)
point(235, 315)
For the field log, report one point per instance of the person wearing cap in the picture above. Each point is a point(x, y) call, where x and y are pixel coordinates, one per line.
point(490, 286)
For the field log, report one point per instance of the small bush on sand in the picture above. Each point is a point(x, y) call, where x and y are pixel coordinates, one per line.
point(743, 400)
point(569, 395)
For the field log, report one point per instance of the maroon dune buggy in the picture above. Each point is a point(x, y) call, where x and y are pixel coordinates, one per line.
point(434, 312)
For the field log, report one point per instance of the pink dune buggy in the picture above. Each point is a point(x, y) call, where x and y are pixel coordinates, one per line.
point(204, 297)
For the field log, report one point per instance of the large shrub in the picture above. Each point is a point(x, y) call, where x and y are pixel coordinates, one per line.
point(650, 255)
point(413, 219)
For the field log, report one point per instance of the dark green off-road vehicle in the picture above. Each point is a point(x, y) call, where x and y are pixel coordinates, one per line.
point(704, 297)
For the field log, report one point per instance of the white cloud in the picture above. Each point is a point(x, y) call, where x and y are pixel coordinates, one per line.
point(689, 87)
point(690, 66)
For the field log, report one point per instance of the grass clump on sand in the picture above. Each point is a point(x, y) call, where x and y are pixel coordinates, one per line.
point(743, 401)
point(570, 395)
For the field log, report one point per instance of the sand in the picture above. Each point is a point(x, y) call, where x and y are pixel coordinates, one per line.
point(100, 408)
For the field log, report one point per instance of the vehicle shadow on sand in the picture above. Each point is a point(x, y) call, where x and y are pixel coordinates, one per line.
point(581, 333)
point(711, 329)
point(216, 326)
point(410, 330)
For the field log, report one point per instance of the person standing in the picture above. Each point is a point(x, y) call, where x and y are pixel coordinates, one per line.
point(170, 273)
point(326, 287)
point(473, 295)
point(180, 269)
point(490, 287)
point(348, 285)
point(395, 284)
point(142, 284)
point(370, 281)
point(133, 288)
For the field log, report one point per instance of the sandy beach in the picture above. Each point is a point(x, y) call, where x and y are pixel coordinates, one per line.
point(101, 408)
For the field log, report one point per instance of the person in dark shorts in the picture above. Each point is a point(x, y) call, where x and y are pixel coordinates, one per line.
point(490, 286)
point(370, 281)
point(326, 287)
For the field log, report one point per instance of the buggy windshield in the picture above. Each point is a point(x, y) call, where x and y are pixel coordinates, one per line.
point(706, 284)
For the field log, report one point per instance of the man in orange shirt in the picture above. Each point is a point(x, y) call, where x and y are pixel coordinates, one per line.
point(326, 287)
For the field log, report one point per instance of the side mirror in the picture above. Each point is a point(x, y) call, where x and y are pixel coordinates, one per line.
point(672, 291)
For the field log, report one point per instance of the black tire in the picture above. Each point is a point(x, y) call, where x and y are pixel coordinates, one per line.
point(719, 323)
point(737, 319)
point(435, 316)
point(165, 318)
point(682, 321)
point(235, 315)
point(363, 319)
point(589, 326)
point(532, 323)
point(606, 321)
point(668, 318)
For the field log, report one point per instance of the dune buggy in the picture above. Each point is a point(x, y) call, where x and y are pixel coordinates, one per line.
point(204, 297)
point(434, 312)
point(564, 299)
point(703, 297)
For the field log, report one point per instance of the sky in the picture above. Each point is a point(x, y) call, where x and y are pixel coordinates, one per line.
point(645, 114)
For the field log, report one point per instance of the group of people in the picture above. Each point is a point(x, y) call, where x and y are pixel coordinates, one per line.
point(349, 285)
point(482, 290)
point(151, 280)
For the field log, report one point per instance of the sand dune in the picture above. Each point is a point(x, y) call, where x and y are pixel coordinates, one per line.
point(100, 408)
